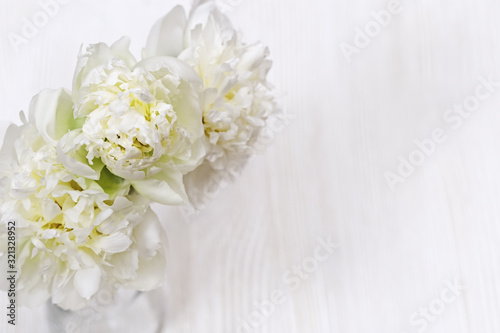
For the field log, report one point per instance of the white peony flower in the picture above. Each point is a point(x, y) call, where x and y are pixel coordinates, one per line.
point(140, 120)
point(72, 238)
point(238, 103)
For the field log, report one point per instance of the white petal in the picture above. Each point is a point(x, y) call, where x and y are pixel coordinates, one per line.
point(50, 209)
point(74, 163)
point(121, 203)
point(102, 216)
point(166, 38)
point(121, 49)
point(68, 298)
point(201, 14)
point(189, 113)
point(38, 244)
point(49, 234)
point(187, 106)
point(97, 55)
point(165, 188)
point(52, 113)
point(87, 281)
point(125, 265)
point(8, 152)
point(175, 66)
point(150, 274)
point(113, 225)
point(148, 235)
point(253, 57)
point(81, 234)
point(198, 152)
point(114, 243)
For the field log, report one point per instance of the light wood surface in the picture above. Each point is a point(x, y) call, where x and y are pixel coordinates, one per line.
point(398, 251)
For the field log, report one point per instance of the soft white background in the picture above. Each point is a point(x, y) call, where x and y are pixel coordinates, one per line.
point(324, 175)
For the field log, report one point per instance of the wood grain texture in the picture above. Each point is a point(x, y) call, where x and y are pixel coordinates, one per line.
point(324, 175)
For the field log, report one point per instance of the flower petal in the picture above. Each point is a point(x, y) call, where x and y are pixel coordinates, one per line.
point(74, 162)
point(50, 209)
point(148, 235)
point(52, 113)
point(87, 281)
point(121, 49)
point(150, 274)
point(97, 55)
point(114, 243)
point(125, 265)
point(166, 38)
point(175, 66)
point(8, 152)
point(188, 111)
point(201, 14)
point(187, 106)
point(166, 188)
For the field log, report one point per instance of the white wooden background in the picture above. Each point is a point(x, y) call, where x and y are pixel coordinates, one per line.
point(324, 176)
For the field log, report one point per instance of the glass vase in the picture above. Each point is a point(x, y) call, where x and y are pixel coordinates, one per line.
point(124, 312)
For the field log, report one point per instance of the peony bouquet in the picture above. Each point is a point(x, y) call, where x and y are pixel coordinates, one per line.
point(78, 177)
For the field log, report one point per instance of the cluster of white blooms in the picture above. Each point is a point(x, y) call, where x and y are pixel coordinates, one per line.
point(141, 120)
point(79, 177)
point(72, 237)
point(237, 102)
